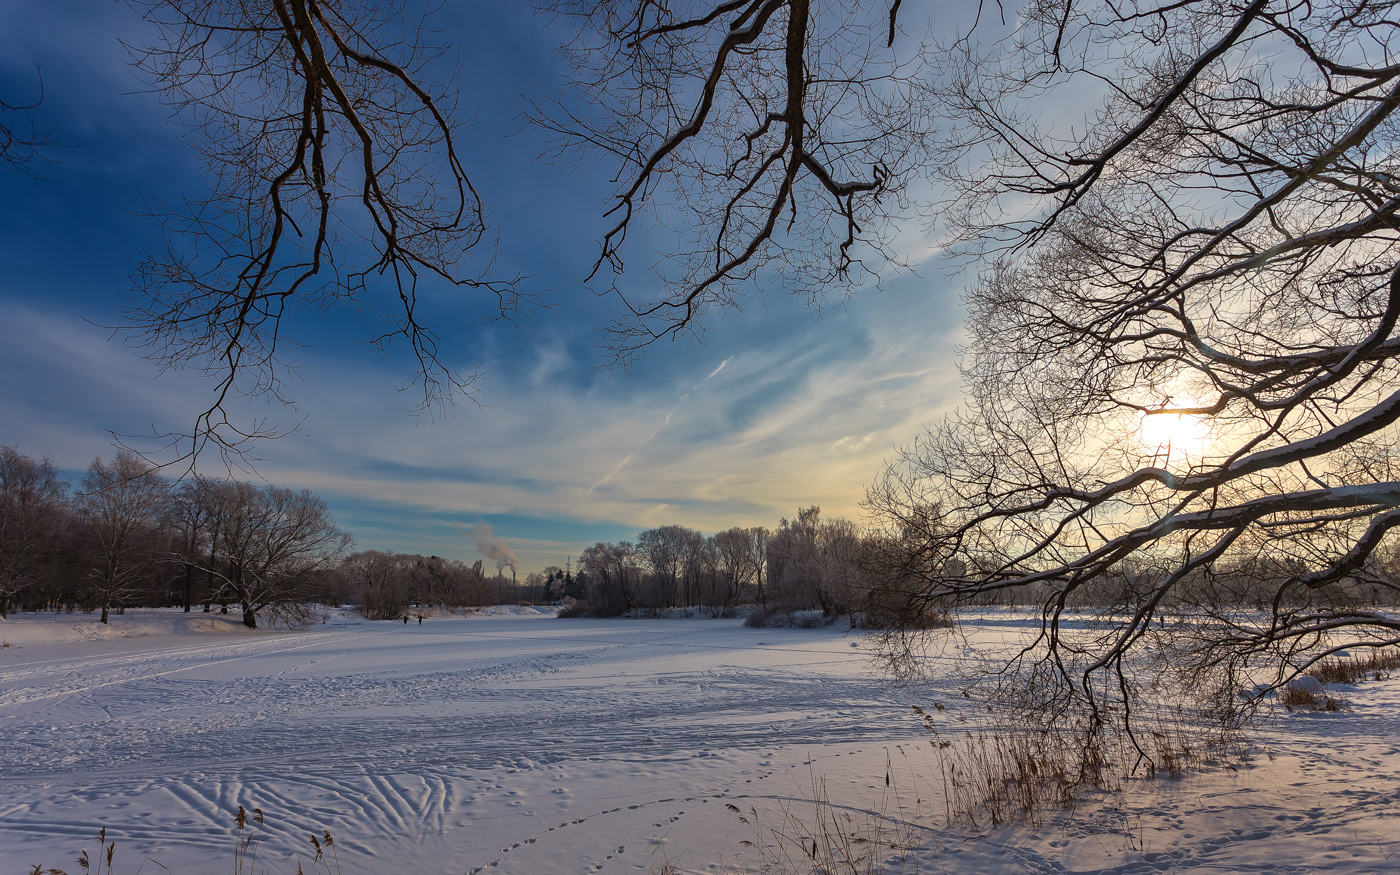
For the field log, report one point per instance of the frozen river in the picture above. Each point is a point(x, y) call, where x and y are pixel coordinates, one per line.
point(523, 741)
point(526, 744)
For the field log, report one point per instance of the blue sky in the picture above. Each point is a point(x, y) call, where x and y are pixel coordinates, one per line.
point(780, 407)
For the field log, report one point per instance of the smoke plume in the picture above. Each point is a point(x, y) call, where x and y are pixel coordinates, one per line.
point(495, 548)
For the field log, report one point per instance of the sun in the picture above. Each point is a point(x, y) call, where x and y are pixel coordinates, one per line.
point(1173, 435)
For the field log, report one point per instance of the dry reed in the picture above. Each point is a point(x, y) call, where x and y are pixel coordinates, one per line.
point(248, 836)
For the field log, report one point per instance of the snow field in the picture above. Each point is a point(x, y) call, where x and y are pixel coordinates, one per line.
point(526, 744)
point(530, 743)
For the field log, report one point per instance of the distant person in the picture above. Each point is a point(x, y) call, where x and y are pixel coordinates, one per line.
point(420, 619)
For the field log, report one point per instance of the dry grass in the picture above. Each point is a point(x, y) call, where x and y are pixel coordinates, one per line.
point(995, 776)
point(245, 845)
point(1306, 700)
point(1375, 665)
point(99, 865)
point(248, 836)
point(1306, 692)
point(815, 836)
point(991, 778)
point(1305, 697)
point(983, 778)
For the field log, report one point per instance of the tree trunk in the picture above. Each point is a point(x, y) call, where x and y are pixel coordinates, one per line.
point(250, 617)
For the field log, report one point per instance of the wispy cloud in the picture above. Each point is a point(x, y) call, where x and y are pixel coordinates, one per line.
point(617, 469)
point(777, 409)
point(805, 420)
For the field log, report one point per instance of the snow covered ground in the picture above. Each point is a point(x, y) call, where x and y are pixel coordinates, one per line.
point(521, 743)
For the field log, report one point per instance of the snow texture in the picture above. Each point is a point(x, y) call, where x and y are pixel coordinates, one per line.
point(518, 743)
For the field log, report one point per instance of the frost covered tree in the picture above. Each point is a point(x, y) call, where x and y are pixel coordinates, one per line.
point(817, 563)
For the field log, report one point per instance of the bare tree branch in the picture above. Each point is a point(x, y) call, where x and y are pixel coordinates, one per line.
point(771, 141)
point(335, 180)
point(24, 145)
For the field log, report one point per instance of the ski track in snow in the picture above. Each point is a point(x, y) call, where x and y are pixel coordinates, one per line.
point(161, 743)
point(533, 745)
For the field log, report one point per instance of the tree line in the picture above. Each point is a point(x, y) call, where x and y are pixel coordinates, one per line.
point(386, 585)
point(808, 563)
point(870, 574)
point(126, 536)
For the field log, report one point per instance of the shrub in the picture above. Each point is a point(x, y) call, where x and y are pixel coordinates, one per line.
point(758, 618)
point(573, 609)
point(1306, 693)
point(771, 618)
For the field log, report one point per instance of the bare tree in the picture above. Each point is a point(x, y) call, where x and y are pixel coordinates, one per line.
point(381, 583)
point(664, 551)
point(734, 564)
point(334, 179)
point(699, 573)
point(32, 505)
point(121, 506)
point(1182, 357)
point(267, 542)
point(770, 141)
point(190, 519)
point(613, 574)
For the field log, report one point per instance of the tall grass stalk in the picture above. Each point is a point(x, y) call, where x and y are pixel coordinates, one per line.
point(246, 839)
point(814, 836)
point(998, 774)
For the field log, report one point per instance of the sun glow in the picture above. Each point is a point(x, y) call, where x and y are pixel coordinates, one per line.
point(1173, 435)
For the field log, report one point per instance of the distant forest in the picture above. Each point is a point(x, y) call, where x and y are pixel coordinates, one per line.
point(126, 536)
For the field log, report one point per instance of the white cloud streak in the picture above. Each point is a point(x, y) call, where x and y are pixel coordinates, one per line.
point(768, 430)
